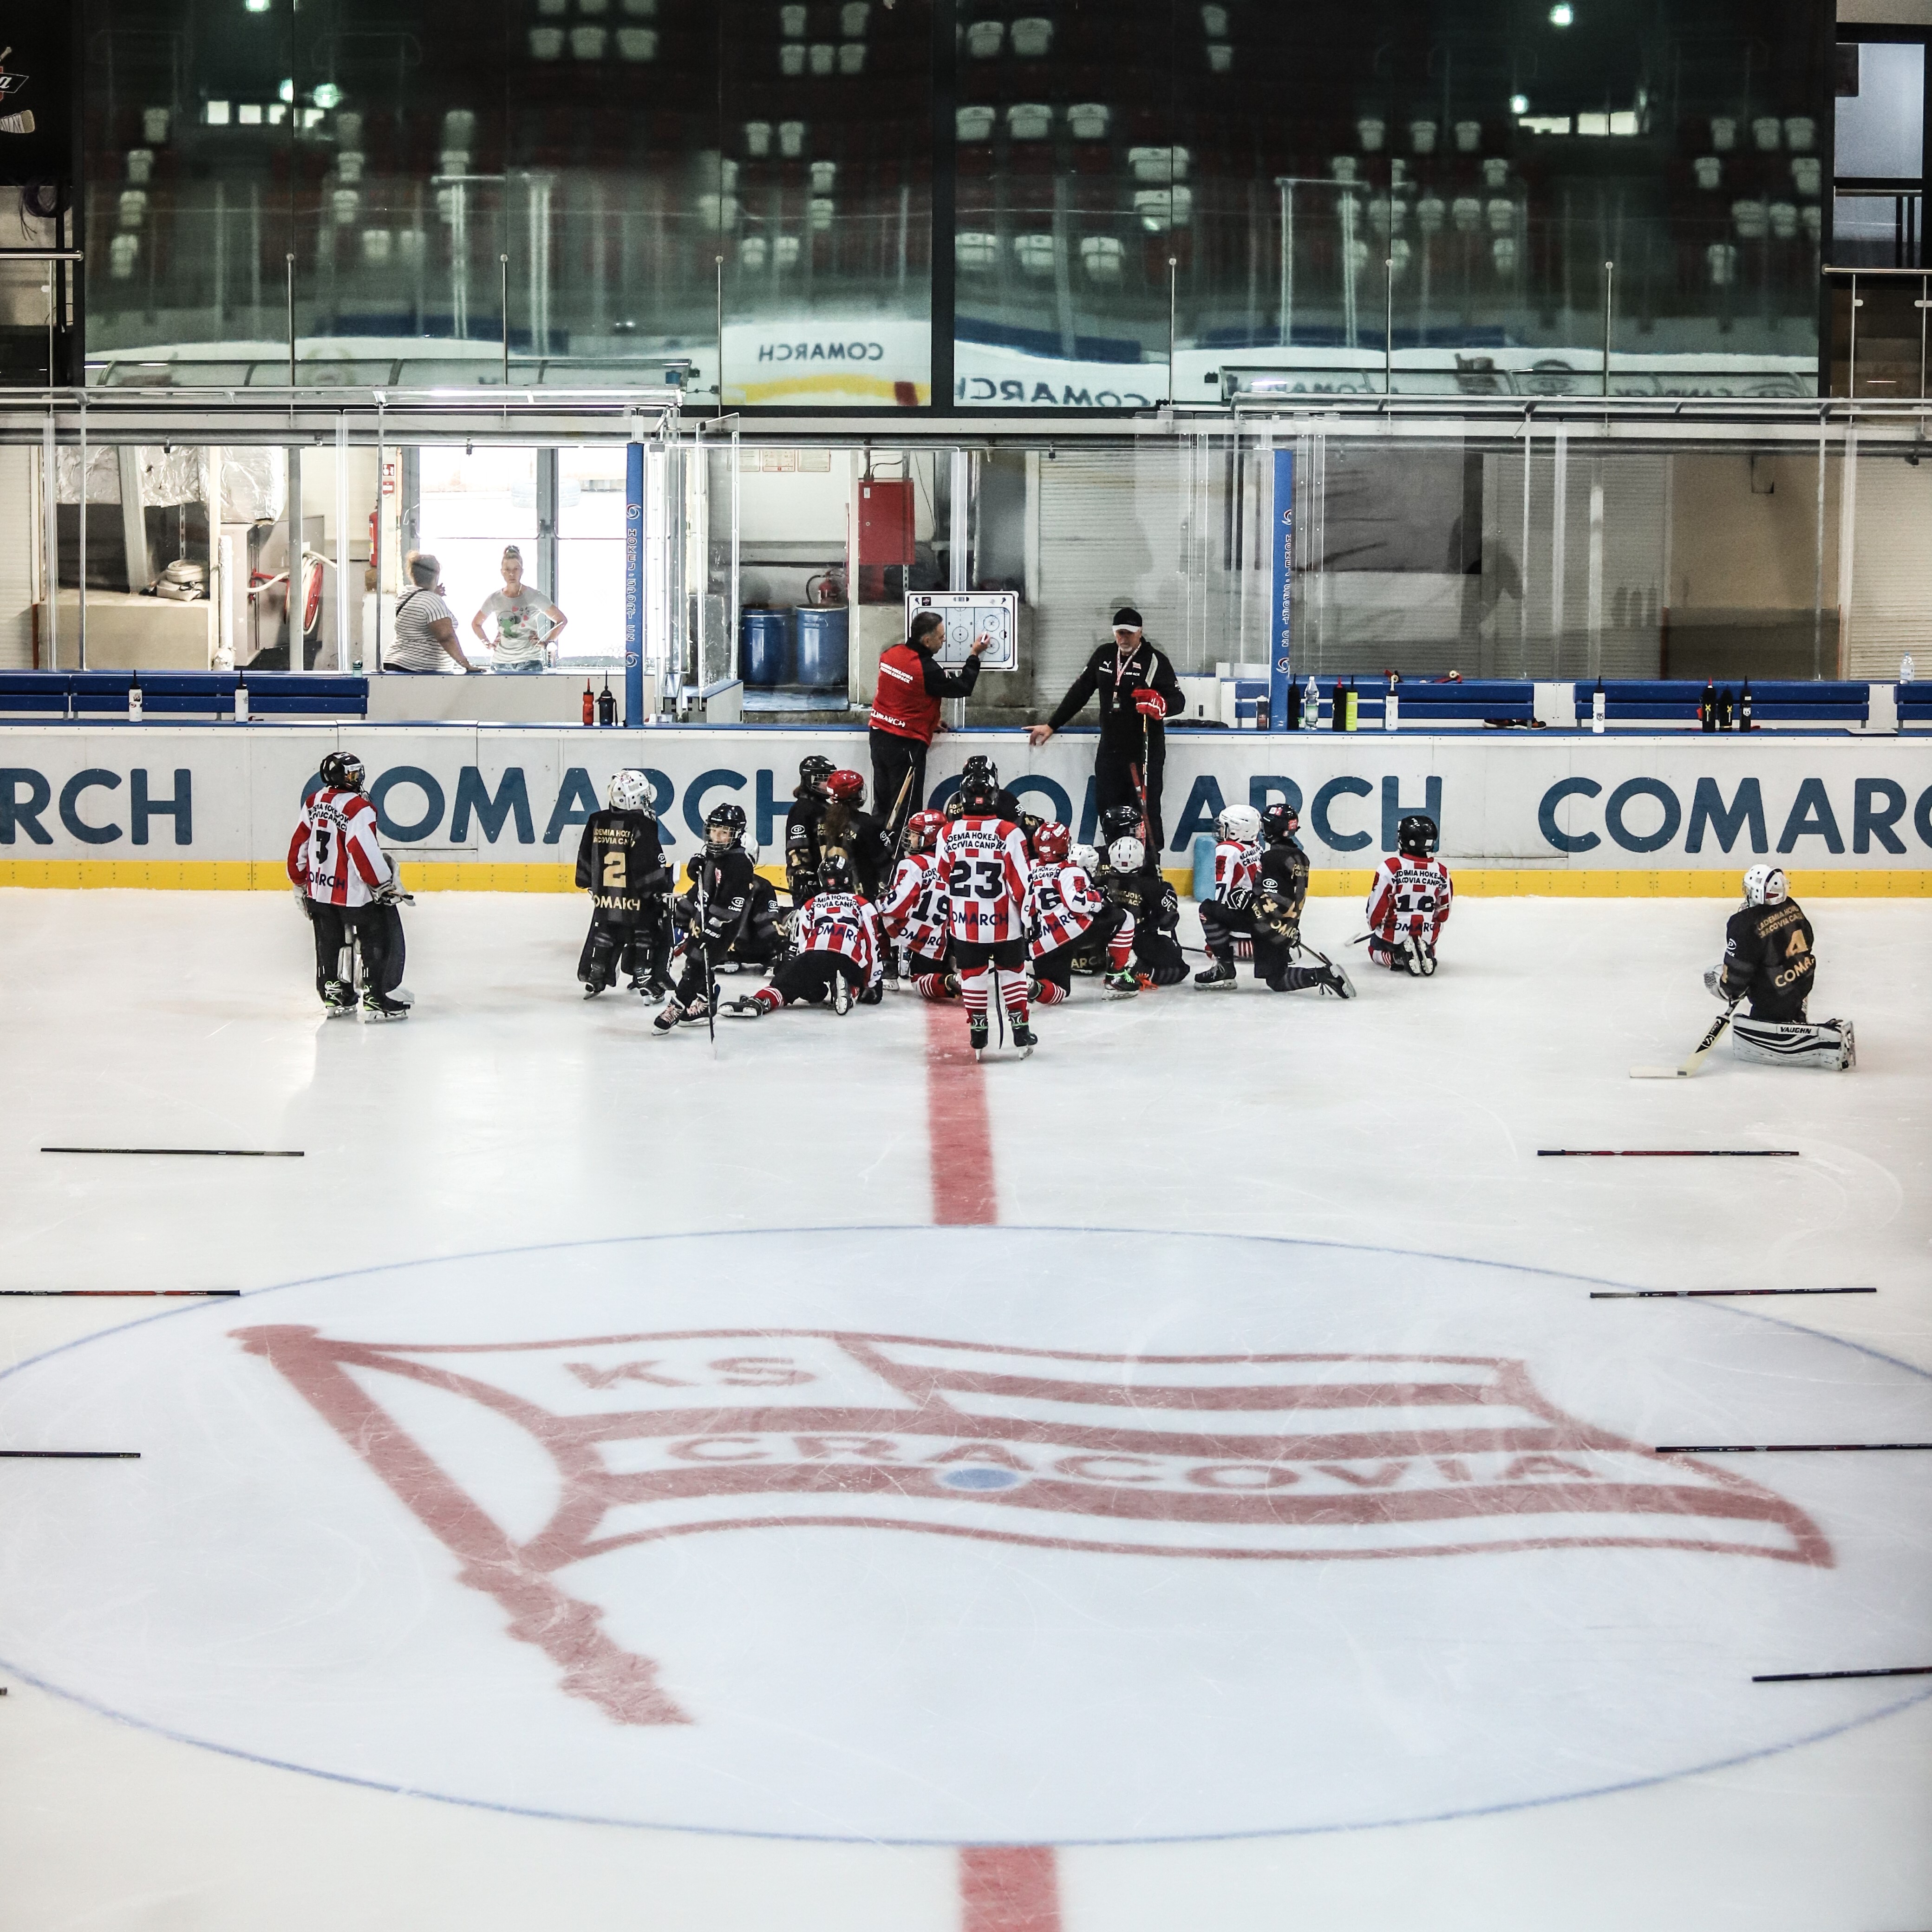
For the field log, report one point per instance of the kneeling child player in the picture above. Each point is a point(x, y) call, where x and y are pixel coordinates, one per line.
point(981, 858)
point(1238, 856)
point(1281, 891)
point(1409, 901)
point(1768, 960)
point(914, 914)
point(728, 915)
point(1066, 913)
point(838, 951)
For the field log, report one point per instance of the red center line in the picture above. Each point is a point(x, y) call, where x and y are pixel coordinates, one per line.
point(1002, 1887)
point(1008, 1889)
point(965, 1191)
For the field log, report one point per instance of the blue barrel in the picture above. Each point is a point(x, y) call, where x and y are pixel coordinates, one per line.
point(821, 647)
point(764, 647)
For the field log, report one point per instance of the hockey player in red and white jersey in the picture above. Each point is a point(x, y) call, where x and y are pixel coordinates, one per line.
point(914, 913)
point(982, 859)
point(1409, 901)
point(1066, 913)
point(346, 884)
point(840, 951)
point(1237, 872)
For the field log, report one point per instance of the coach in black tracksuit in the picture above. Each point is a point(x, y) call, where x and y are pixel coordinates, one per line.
point(1135, 685)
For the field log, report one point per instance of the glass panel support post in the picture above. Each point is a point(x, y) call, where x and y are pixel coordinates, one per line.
point(1609, 287)
point(50, 540)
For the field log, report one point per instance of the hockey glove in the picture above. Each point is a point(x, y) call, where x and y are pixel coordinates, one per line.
point(1237, 900)
point(303, 900)
point(1150, 704)
point(872, 995)
point(1714, 984)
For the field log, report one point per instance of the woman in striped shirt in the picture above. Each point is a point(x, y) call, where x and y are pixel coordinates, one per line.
point(425, 632)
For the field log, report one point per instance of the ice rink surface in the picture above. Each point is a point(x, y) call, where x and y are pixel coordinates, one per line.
point(1183, 1480)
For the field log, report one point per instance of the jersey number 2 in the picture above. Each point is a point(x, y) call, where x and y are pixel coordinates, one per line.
point(613, 871)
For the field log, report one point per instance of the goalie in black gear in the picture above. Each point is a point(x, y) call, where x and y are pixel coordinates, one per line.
point(620, 860)
point(729, 916)
point(1768, 960)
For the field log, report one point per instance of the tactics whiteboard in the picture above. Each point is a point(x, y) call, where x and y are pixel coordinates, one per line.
point(969, 614)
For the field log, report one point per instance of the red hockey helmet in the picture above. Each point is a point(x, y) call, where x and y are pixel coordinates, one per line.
point(1051, 842)
point(848, 787)
point(922, 828)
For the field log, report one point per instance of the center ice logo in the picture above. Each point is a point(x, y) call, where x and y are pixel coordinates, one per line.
point(1298, 1456)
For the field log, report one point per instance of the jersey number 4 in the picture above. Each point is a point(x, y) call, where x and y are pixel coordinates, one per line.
point(984, 878)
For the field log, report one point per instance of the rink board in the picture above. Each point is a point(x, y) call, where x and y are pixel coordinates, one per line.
point(499, 808)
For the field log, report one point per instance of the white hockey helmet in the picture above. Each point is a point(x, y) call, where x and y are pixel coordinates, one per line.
point(630, 791)
point(1240, 824)
point(1085, 857)
point(1127, 855)
point(1764, 885)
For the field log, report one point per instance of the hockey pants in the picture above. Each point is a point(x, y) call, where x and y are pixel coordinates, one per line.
point(378, 931)
point(1113, 928)
point(808, 976)
point(638, 946)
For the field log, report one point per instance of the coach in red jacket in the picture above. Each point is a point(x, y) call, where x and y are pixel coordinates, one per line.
point(905, 713)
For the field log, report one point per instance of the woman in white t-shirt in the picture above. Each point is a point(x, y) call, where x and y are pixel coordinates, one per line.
point(425, 631)
point(528, 624)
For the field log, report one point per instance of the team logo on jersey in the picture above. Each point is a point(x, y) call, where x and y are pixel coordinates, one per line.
point(1286, 1456)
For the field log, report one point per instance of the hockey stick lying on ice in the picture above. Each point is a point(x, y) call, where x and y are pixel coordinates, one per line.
point(1699, 1053)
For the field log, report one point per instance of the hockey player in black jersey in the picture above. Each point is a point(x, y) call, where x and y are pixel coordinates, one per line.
point(802, 853)
point(1768, 960)
point(1128, 877)
point(729, 914)
point(847, 827)
point(980, 771)
point(619, 860)
point(1280, 891)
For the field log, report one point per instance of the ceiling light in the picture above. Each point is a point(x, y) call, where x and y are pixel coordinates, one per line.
point(1562, 13)
point(1519, 103)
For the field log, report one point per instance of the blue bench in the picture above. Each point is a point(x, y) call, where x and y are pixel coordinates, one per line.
point(181, 694)
point(1640, 700)
point(1914, 704)
point(1424, 706)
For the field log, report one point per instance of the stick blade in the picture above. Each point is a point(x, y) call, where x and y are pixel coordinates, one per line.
point(1660, 1073)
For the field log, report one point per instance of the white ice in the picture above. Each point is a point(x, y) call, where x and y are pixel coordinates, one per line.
point(250, 1585)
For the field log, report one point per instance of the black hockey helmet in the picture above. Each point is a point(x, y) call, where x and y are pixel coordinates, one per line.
point(343, 771)
point(978, 789)
point(979, 766)
point(813, 771)
point(726, 818)
point(1120, 821)
point(835, 873)
point(1280, 822)
point(1416, 836)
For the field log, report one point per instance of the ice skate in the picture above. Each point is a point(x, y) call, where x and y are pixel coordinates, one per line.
point(379, 1006)
point(744, 1009)
point(1121, 985)
point(1221, 973)
point(1025, 1039)
point(667, 1017)
point(338, 1000)
point(976, 1037)
point(1335, 981)
point(841, 996)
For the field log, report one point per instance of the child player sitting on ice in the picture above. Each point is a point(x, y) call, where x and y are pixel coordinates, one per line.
point(1408, 900)
point(1067, 914)
point(839, 951)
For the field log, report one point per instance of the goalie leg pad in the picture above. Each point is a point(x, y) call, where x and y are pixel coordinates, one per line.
point(1822, 1043)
